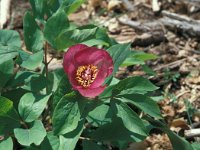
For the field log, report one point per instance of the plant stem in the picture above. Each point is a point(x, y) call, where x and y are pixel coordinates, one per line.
point(46, 63)
point(24, 124)
point(188, 115)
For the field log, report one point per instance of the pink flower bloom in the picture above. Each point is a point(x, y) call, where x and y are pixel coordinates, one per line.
point(87, 69)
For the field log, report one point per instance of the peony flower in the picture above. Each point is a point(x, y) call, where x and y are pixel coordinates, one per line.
point(87, 68)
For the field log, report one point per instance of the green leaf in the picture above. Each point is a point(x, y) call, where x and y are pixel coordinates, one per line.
point(14, 95)
point(38, 8)
point(54, 26)
point(89, 106)
point(100, 115)
point(8, 143)
point(67, 113)
point(7, 53)
point(35, 83)
point(30, 61)
point(31, 106)
point(196, 146)
point(138, 58)
point(145, 103)
point(71, 6)
point(75, 36)
point(51, 7)
point(28, 80)
point(134, 85)
point(51, 142)
point(148, 70)
point(69, 140)
point(157, 98)
point(132, 61)
point(94, 42)
point(103, 36)
point(34, 135)
point(144, 56)
point(33, 36)
point(129, 118)
point(10, 38)
point(10, 43)
point(31, 148)
point(89, 145)
point(64, 142)
point(178, 142)
point(115, 131)
point(20, 78)
point(119, 52)
point(6, 71)
point(54, 79)
point(8, 116)
point(107, 93)
point(64, 87)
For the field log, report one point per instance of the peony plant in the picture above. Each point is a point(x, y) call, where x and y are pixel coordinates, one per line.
point(81, 105)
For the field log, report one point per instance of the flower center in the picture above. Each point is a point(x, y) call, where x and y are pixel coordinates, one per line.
point(85, 75)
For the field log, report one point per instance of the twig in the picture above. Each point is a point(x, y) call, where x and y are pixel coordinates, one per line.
point(134, 24)
point(50, 60)
point(182, 93)
point(179, 17)
point(195, 51)
point(181, 23)
point(195, 2)
point(192, 133)
point(172, 21)
point(184, 27)
point(142, 26)
point(195, 124)
point(149, 38)
point(46, 62)
point(170, 65)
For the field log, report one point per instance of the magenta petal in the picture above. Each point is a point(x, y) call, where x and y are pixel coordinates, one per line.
point(105, 70)
point(108, 63)
point(68, 60)
point(75, 49)
point(99, 79)
point(69, 64)
point(68, 67)
point(89, 56)
point(91, 92)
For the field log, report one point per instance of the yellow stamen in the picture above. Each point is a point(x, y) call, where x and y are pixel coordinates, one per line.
point(85, 75)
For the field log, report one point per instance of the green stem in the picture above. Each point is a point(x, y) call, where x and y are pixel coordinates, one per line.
point(106, 97)
point(190, 121)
